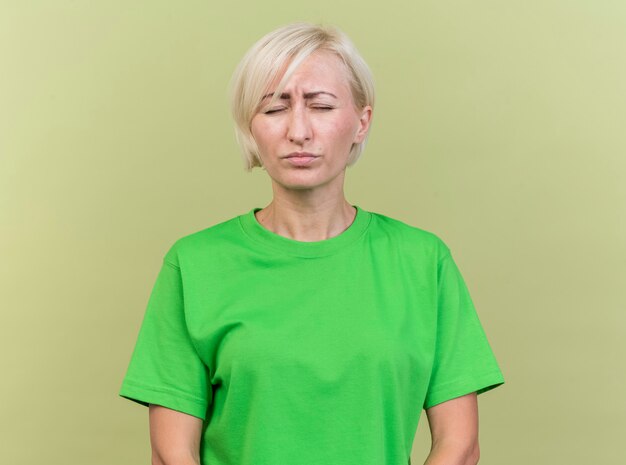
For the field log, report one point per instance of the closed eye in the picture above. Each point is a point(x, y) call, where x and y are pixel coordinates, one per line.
point(316, 107)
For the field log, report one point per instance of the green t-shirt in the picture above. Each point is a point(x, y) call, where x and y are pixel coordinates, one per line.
point(309, 353)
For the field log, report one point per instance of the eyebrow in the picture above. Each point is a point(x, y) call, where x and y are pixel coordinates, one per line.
point(308, 95)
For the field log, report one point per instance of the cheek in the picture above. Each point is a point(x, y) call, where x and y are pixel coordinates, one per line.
point(340, 131)
point(262, 134)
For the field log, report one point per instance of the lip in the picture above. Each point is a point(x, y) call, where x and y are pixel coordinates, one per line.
point(300, 158)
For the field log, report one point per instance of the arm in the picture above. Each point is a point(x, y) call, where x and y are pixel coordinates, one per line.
point(454, 432)
point(174, 436)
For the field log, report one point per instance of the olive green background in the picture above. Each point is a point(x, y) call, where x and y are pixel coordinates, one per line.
point(499, 126)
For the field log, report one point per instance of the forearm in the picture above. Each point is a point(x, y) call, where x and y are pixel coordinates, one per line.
point(453, 455)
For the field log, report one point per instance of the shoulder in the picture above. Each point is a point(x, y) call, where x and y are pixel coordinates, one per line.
point(208, 241)
point(408, 235)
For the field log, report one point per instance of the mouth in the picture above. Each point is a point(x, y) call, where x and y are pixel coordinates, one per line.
point(301, 155)
point(301, 158)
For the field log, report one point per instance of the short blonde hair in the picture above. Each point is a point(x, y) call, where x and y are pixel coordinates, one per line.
point(291, 45)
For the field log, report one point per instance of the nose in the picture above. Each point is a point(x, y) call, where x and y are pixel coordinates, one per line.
point(299, 125)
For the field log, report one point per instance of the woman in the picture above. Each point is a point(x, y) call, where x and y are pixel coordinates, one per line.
point(310, 331)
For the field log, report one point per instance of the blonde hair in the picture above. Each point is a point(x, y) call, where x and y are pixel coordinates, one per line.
point(291, 45)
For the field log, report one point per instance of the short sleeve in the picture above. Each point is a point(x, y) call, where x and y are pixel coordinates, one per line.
point(463, 362)
point(165, 368)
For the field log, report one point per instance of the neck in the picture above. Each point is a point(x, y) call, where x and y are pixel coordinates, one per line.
point(307, 221)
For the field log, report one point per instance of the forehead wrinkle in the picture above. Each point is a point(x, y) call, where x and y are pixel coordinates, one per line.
point(284, 76)
point(307, 95)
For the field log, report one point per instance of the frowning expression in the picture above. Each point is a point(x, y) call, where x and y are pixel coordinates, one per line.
point(304, 139)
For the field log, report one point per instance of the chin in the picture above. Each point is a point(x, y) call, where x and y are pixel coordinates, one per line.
point(299, 186)
point(304, 182)
point(299, 181)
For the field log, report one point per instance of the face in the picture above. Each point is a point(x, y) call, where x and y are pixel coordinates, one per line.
point(315, 118)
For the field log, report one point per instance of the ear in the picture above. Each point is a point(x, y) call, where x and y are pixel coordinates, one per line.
point(364, 124)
